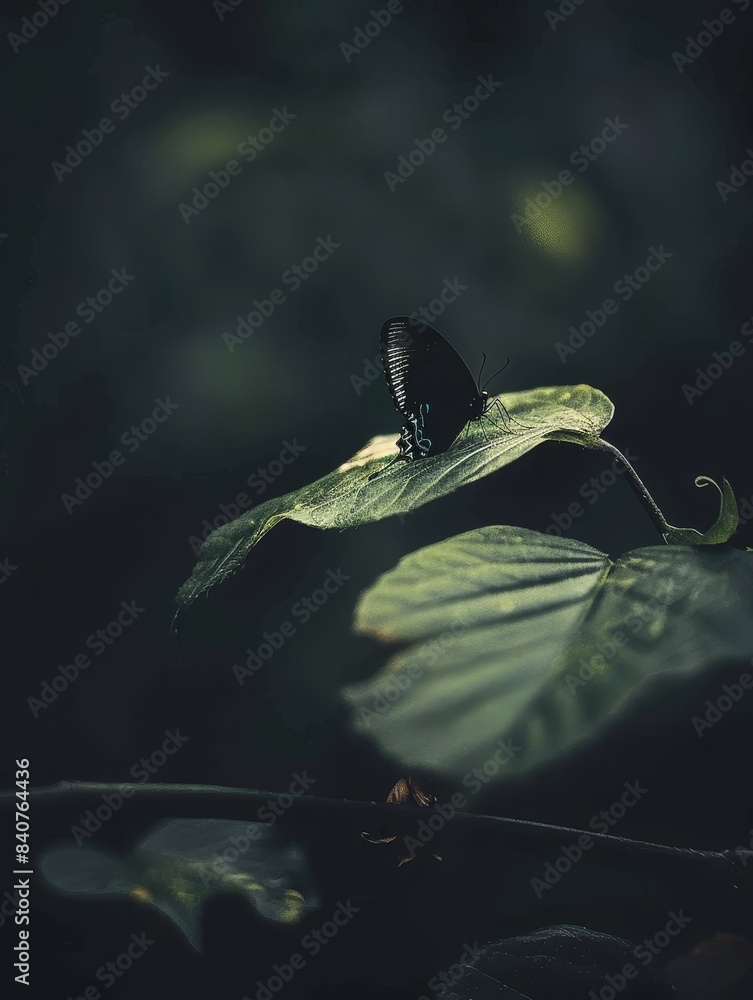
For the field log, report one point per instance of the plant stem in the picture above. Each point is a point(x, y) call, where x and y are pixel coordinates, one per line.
point(637, 486)
point(61, 803)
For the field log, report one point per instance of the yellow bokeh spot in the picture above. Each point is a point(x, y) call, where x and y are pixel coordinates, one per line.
point(568, 227)
point(199, 142)
point(292, 908)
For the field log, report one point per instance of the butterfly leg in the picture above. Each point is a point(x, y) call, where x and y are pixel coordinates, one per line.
point(501, 409)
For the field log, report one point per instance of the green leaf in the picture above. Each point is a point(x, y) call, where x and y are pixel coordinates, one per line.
point(521, 637)
point(721, 530)
point(347, 497)
point(183, 862)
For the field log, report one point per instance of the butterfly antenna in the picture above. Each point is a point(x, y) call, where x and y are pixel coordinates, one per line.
point(496, 402)
point(494, 375)
point(481, 370)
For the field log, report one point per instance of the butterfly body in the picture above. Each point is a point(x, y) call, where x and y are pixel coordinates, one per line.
point(431, 387)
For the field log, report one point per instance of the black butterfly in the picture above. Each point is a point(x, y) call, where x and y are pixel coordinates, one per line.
point(431, 386)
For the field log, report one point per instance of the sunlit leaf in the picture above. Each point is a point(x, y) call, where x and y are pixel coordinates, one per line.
point(536, 641)
point(348, 496)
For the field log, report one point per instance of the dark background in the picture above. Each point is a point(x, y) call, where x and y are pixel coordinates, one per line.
point(324, 175)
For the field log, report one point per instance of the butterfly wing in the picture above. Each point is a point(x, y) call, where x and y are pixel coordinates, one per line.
point(431, 385)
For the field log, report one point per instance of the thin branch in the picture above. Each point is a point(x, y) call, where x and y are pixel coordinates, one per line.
point(213, 801)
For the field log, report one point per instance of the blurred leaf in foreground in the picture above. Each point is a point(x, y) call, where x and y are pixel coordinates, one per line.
point(537, 641)
point(184, 861)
